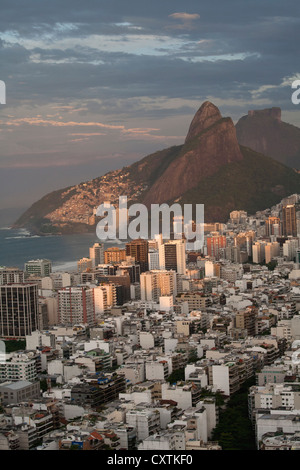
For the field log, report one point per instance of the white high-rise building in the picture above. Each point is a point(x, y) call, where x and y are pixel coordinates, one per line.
point(104, 298)
point(145, 421)
point(209, 269)
point(153, 259)
point(158, 283)
point(83, 264)
point(290, 248)
point(97, 254)
point(11, 275)
point(258, 252)
point(18, 366)
point(157, 370)
point(38, 267)
point(271, 251)
point(166, 303)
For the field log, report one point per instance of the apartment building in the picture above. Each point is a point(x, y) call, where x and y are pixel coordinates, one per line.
point(145, 421)
point(18, 391)
point(158, 283)
point(20, 367)
point(76, 306)
point(18, 310)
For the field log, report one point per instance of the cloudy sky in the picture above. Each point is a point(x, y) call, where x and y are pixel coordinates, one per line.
point(94, 85)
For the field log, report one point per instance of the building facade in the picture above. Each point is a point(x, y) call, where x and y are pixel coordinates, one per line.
point(18, 310)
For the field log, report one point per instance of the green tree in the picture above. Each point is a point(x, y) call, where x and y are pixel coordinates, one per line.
point(176, 376)
point(44, 385)
point(234, 430)
point(14, 345)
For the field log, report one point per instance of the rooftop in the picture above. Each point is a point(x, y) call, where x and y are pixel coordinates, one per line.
point(16, 385)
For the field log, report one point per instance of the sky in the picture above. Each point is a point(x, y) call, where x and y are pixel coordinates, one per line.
point(94, 86)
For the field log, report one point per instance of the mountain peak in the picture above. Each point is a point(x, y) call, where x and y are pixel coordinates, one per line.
point(199, 157)
point(274, 113)
point(206, 115)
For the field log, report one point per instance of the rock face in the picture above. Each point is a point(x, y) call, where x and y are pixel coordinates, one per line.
point(273, 113)
point(211, 142)
point(265, 132)
point(205, 117)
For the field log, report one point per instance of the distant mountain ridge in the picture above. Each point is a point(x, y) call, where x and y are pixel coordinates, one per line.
point(265, 132)
point(209, 168)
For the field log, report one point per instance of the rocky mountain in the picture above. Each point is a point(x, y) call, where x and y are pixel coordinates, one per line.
point(210, 144)
point(265, 132)
point(209, 168)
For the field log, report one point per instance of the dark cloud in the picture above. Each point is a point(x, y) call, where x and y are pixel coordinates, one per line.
point(136, 64)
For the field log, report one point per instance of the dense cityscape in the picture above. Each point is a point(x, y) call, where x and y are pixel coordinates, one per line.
point(149, 229)
point(150, 346)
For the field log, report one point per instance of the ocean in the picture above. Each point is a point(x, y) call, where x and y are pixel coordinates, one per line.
point(17, 246)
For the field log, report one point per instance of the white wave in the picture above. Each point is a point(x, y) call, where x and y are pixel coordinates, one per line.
point(116, 241)
point(65, 266)
point(24, 231)
point(22, 236)
point(14, 238)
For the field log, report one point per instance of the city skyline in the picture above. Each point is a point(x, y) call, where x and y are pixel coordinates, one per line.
point(116, 355)
point(94, 87)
